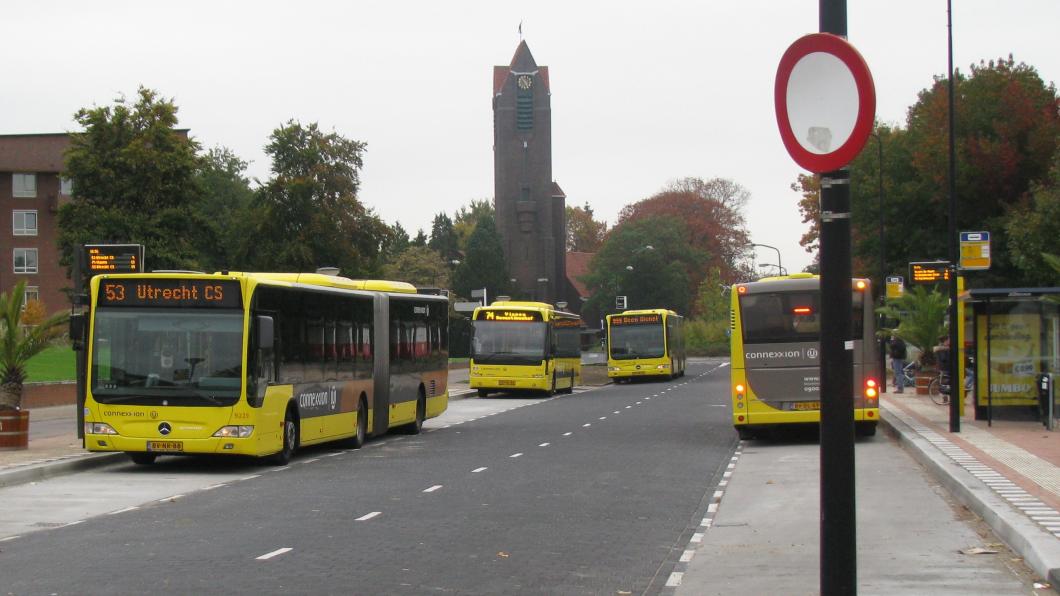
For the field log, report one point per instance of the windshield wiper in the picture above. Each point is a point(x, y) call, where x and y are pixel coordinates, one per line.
point(112, 398)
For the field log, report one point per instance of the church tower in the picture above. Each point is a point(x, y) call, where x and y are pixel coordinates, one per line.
point(530, 206)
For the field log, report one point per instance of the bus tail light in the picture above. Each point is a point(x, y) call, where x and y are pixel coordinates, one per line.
point(872, 391)
point(741, 390)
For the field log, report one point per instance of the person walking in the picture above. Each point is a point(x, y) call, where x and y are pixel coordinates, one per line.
point(897, 352)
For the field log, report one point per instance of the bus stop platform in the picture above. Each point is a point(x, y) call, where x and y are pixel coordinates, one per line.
point(1007, 472)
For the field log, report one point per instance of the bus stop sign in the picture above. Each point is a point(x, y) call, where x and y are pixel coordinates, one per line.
point(825, 102)
point(975, 250)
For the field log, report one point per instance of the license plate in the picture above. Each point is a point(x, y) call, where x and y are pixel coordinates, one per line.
point(165, 446)
point(504, 383)
point(807, 405)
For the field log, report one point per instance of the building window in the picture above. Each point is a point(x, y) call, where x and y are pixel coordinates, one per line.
point(32, 295)
point(24, 223)
point(66, 187)
point(24, 185)
point(25, 260)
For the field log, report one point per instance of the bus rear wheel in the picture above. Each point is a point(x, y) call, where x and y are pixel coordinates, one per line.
point(483, 393)
point(361, 434)
point(746, 434)
point(865, 429)
point(142, 459)
point(414, 427)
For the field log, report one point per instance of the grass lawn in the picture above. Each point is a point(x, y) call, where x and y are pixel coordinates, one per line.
point(55, 363)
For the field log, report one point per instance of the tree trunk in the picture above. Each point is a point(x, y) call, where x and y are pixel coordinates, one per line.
point(10, 396)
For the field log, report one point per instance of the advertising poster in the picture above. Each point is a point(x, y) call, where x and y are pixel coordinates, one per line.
point(1014, 358)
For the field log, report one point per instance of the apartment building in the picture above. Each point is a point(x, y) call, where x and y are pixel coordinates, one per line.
point(31, 191)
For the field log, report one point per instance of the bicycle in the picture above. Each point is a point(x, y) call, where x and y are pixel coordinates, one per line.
point(909, 374)
point(939, 388)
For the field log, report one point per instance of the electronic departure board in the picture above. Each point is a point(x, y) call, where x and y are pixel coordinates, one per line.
point(929, 272)
point(636, 320)
point(509, 316)
point(113, 258)
point(167, 293)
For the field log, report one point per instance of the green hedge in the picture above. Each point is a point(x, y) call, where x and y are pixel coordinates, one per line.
point(706, 338)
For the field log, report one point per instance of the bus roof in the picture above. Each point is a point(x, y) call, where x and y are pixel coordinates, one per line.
point(793, 282)
point(313, 279)
point(648, 311)
point(542, 307)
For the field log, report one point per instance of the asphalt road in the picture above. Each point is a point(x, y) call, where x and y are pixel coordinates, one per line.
point(598, 492)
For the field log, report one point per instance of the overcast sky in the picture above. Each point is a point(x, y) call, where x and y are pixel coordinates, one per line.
point(642, 93)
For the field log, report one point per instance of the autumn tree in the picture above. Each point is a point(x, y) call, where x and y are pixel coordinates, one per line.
point(134, 180)
point(465, 220)
point(308, 214)
point(1033, 230)
point(713, 222)
point(584, 233)
point(1007, 130)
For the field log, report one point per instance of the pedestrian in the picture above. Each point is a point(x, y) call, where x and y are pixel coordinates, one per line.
point(896, 350)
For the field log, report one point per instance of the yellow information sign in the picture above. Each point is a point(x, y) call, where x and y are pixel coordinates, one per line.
point(895, 286)
point(975, 250)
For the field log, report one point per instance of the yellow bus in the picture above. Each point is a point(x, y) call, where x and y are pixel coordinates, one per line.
point(524, 346)
point(775, 364)
point(645, 343)
point(258, 364)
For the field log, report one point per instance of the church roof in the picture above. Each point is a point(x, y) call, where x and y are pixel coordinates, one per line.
point(578, 266)
point(557, 192)
point(522, 63)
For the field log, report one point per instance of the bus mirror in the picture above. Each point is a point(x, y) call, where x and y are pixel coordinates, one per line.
point(265, 332)
point(77, 329)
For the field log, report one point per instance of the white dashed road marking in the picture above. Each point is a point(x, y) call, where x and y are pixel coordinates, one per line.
point(477, 470)
point(369, 516)
point(433, 488)
point(274, 553)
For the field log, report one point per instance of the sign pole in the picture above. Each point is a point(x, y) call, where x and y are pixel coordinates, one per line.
point(951, 242)
point(838, 514)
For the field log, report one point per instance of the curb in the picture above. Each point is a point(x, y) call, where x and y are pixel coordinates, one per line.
point(58, 467)
point(1040, 550)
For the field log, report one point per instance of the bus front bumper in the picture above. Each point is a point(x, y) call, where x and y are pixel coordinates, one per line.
point(174, 446)
point(510, 383)
point(638, 370)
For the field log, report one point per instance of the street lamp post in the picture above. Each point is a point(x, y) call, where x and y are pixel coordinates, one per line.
point(881, 288)
point(779, 265)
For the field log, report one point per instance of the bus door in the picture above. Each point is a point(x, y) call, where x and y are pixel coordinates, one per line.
point(381, 370)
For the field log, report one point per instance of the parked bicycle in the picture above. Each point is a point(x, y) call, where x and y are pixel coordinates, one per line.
point(939, 388)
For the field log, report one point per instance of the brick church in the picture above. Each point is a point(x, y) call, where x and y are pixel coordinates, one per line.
point(530, 206)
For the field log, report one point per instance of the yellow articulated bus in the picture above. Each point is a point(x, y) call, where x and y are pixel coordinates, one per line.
point(775, 365)
point(645, 343)
point(258, 364)
point(524, 346)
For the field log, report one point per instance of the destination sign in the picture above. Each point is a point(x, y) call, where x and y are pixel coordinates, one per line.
point(170, 293)
point(114, 258)
point(509, 316)
point(636, 320)
point(567, 323)
point(929, 272)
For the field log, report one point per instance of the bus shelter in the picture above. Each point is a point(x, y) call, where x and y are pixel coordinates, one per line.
point(1015, 334)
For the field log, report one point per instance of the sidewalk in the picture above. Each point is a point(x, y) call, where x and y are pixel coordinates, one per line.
point(1008, 473)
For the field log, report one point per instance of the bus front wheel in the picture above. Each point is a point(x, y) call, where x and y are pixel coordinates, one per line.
point(290, 440)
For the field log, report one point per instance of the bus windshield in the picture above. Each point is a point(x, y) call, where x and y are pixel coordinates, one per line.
point(167, 357)
point(508, 343)
point(789, 317)
point(637, 341)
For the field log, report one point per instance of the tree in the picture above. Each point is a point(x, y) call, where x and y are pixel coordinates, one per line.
point(1033, 229)
point(713, 222)
point(467, 218)
point(483, 265)
point(420, 239)
point(809, 186)
point(134, 180)
point(397, 243)
point(19, 343)
point(225, 206)
point(419, 266)
point(443, 237)
point(308, 212)
point(1007, 133)
point(655, 277)
point(584, 233)
point(921, 312)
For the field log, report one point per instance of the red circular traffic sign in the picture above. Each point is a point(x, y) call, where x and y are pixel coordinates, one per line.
point(825, 102)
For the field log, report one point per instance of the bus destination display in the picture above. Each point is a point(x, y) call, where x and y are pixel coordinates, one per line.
point(509, 316)
point(114, 258)
point(170, 293)
point(636, 320)
point(930, 272)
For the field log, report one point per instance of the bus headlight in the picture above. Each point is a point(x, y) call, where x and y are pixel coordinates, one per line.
point(99, 428)
point(234, 432)
point(663, 367)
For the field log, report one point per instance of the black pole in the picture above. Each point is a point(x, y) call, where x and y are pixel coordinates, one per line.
point(838, 514)
point(951, 242)
point(882, 287)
